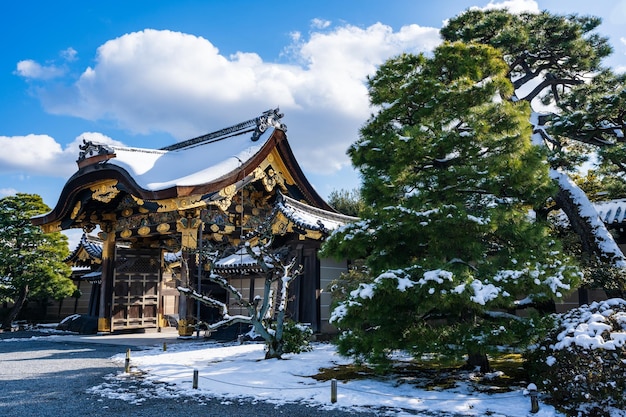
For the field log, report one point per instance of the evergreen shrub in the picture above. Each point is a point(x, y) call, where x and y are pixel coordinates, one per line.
point(581, 363)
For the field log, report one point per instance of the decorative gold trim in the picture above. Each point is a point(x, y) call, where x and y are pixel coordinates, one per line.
point(104, 191)
point(143, 231)
point(185, 328)
point(127, 212)
point(108, 244)
point(276, 161)
point(163, 227)
point(76, 210)
point(229, 191)
point(126, 233)
point(273, 172)
point(313, 234)
point(222, 204)
point(183, 203)
point(104, 324)
point(281, 224)
point(271, 179)
point(188, 228)
point(258, 173)
point(51, 227)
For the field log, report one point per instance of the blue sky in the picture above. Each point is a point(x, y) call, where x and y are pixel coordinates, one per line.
point(150, 73)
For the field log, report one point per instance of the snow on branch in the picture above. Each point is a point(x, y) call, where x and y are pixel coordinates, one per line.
point(204, 299)
point(603, 239)
point(223, 282)
point(582, 214)
point(288, 275)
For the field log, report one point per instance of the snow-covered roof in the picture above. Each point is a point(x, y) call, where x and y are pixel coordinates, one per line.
point(188, 163)
point(237, 262)
point(611, 212)
point(311, 218)
point(157, 169)
point(93, 247)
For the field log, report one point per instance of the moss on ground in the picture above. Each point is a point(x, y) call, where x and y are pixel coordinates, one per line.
point(435, 374)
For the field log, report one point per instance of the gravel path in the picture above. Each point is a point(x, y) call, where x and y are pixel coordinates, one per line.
point(56, 378)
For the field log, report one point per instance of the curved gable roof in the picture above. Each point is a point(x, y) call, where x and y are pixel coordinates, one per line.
point(199, 166)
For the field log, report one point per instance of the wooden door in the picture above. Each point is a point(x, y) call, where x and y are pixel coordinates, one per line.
point(135, 289)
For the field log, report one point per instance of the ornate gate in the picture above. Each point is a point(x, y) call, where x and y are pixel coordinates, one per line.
point(135, 289)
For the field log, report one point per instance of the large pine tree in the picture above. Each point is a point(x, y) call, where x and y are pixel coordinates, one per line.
point(450, 238)
point(556, 61)
point(31, 262)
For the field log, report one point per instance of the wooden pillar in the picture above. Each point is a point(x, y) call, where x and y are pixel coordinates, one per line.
point(106, 287)
point(188, 227)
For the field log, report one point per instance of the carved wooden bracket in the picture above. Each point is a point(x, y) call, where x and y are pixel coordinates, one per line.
point(188, 229)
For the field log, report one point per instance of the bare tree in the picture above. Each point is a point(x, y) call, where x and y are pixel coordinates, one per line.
point(265, 314)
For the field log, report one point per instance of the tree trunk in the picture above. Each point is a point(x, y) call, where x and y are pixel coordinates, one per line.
point(274, 349)
point(15, 310)
point(478, 360)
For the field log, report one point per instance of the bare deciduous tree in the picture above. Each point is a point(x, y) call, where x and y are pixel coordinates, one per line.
point(265, 314)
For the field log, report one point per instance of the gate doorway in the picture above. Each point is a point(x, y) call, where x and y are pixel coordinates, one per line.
point(135, 289)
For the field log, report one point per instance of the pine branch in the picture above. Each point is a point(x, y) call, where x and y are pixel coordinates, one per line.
point(550, 82)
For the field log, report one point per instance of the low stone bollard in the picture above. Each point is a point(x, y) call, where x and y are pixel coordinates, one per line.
point(534, 402)
point(195, 379)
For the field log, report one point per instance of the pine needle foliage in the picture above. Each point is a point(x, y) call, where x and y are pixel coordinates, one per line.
point(448, 236)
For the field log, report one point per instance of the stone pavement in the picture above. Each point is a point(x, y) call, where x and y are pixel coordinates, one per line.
point(139, 339)
point(149, 337)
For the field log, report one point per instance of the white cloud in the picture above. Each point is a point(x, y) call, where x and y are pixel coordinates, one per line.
point(320, 23)
point(42, 154)
point(179, 83)
point(620, 70)
point(514, 6)
point(31, 69)
point(69, 54)
point(4, 192)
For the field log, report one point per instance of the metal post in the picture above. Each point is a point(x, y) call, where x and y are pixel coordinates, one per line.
point(195, 379)
point(164, 346)
point(199, 277)
point(534, 403)
point(127, 363)
point(333, 390)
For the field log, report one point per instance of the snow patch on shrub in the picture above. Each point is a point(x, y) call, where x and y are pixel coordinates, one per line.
point(586, 357)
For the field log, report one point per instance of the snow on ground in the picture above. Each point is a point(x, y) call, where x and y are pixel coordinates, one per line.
point(235, 372)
